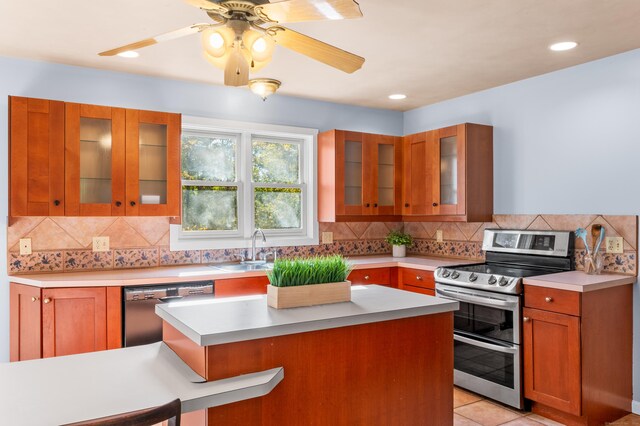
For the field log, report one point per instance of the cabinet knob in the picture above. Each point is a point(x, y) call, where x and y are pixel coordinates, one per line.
point(375, 205)
point(435, 204)
point(366, 277)
point(133, 203)
point(35, 299)
point(118, 203)
point(406, 204)
point(419, 277)
point(56, 202)
point(525, 319)
point(47, 300)
point(548, 299)
point(367, 205)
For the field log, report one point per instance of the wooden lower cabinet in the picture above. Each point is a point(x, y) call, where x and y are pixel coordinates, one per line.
point(417, 281)
point(578, 365)
point(241, 286)
point(379, 276)
point(48, 322)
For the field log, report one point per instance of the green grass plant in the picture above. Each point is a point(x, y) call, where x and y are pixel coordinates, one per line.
point(311, 270)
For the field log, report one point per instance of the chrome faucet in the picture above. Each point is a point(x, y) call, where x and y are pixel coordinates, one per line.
point(253, 243)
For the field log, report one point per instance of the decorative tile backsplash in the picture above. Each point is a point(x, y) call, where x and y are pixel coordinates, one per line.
point(64, 243)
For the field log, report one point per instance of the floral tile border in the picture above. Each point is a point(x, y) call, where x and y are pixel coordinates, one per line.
point(136, 258)
point(43, 261)
point(181, 257)
point(464, 249)
point(622, 263)
point(75, 260)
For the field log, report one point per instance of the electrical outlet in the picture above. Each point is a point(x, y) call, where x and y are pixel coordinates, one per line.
point(439, 235)
point(25, 246)
point(100, 243)
point(614, 245)
point(327, 237)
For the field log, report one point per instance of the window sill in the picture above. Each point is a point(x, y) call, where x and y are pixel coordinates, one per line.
point(180, 242)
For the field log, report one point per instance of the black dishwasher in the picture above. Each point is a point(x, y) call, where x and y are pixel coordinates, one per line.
point(140, 323)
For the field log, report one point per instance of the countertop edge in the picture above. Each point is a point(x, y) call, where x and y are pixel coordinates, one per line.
point(555, 283)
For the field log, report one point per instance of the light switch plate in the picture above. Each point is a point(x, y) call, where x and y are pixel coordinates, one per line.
point(614, 245)
point(100, 243)
point(439, 235)
point(327, 237)
point(25, 246)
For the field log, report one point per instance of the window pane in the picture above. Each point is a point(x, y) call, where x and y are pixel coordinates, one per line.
point(276, 162)
point(211, 158)
point(278, 208)
point(209, 208)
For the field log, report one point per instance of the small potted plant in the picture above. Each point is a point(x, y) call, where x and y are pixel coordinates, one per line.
point(308, 281)
point(399, 241)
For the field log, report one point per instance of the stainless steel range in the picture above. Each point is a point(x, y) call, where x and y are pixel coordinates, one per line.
point(487, 354)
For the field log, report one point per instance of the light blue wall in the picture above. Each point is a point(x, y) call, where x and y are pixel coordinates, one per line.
point(565, 142)
point(76, 84)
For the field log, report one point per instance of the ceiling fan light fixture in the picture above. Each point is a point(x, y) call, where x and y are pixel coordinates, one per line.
point(216, 42)
point(264, 87)
point(260, 46)
point(129, 54)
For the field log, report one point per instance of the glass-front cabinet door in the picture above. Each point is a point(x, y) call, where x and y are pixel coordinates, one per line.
point(94, 160)
point(448, 186)
point(351, 174)
point(153, 163)
point(385, 182)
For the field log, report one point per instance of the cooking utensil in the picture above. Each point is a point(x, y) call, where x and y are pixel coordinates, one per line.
point(601, 233)
point(582, 234)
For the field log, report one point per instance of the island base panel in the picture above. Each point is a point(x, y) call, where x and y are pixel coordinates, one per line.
point(396, 372)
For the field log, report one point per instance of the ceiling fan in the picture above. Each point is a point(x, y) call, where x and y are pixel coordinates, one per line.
point(244, 33)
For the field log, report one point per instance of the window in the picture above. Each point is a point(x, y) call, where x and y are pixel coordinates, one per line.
point(237, 177)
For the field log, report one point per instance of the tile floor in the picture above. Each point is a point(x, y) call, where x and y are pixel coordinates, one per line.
point(470, 409)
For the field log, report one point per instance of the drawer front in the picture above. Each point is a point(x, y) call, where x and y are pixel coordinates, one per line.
point(427, 291)
point(551, 299)
point(380, 276)
point(241, 286)
point(417, 278)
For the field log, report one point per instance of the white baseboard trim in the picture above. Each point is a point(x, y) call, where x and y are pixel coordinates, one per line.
point(635, 407)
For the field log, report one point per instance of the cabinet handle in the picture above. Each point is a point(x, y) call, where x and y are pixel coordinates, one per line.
point(118, 203)
point(406, 204)
point(435, 204)
point(525, 319)
point(35, 299)
point(133, 203)
point(366, 277)
point(56, 202)
point(419, 277)
point(548, 299)
point(47, 300)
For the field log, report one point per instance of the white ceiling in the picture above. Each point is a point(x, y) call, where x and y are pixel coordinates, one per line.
point(431, 50)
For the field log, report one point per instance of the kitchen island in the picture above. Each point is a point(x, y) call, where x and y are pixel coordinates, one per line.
point(384, 358)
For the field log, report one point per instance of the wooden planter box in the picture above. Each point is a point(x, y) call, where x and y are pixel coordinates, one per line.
point(308, 295)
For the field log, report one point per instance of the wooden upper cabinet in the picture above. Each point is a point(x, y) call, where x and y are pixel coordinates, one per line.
point(88, 160)
point(36, 157)
point(448, 174)
point(94, 160)
point(359, 175)
point(152, 163)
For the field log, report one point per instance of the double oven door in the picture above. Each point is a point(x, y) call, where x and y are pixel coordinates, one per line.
point(487, 357)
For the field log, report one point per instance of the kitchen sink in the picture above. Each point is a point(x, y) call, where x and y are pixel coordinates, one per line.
point(243, 267)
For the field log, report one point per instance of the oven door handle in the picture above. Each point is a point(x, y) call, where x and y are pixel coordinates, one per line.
point(485, 345)
point(465, 297)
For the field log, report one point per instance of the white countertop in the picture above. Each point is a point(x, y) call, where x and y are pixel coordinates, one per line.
point(55, 391)
point(174, 274)
point(235, 319)
point(579, 281)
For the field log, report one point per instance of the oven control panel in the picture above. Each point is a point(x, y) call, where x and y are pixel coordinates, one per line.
point(470, 279)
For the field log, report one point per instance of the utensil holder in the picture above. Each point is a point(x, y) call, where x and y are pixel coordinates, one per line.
point(593, 263)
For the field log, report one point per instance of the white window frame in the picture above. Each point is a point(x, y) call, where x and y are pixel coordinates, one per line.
point(246, 132)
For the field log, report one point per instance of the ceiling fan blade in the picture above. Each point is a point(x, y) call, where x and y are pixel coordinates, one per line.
point(316, 49)
point(182, 32)
point(308, 10)
point(208, 5)
point(236, 72)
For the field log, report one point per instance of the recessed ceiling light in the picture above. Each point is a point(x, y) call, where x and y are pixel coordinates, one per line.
point(564, 45)
point(397, 96)
point(129, 54)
